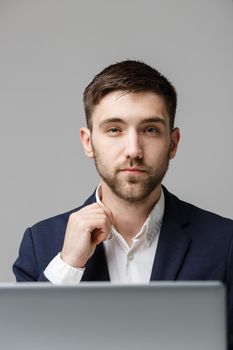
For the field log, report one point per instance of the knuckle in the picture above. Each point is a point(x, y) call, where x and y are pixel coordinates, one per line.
point(73, 216)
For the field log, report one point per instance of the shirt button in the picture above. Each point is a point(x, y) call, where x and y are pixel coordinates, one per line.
point(130, 256)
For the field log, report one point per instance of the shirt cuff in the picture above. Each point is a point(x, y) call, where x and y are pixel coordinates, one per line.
point(59, 272)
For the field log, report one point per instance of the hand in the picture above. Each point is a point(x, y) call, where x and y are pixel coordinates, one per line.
point(85, 229)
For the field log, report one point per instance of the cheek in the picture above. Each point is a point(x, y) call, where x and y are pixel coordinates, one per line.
point(104, 153)
point(157, 150)
point(110, 148)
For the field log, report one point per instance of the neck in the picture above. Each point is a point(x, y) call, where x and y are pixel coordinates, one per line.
point(129, 217)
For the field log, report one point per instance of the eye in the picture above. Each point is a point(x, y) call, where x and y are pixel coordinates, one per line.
point(113, 130)
point(151, 130)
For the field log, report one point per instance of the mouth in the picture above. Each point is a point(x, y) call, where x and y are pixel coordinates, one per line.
point(133, 170)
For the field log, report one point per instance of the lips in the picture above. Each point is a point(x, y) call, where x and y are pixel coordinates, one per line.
point(133, 170)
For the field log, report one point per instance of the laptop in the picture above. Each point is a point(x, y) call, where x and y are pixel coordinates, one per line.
point(161, 316)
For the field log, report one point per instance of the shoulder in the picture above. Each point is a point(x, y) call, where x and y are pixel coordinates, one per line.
point(182, 210)
point(56, 225)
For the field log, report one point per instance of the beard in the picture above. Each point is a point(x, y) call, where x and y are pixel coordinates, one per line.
point(132, 188)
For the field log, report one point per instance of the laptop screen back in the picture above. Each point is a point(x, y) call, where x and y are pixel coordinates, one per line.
point(177, 316)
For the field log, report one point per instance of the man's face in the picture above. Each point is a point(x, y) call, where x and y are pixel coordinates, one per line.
point(131, 143)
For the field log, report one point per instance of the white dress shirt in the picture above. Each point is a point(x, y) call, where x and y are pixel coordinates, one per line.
point(125, 264)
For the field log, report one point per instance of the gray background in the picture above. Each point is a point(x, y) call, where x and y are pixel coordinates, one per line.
point(50, 50)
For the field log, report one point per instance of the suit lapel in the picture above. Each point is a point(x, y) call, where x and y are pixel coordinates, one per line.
point(96, 267)
point(173, 241)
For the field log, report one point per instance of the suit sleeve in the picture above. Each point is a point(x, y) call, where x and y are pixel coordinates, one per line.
point(26, 268)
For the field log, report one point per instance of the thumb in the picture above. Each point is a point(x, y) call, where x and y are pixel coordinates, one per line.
point(109, 215)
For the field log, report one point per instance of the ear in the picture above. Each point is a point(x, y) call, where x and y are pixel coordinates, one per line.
point(85, 137)
point(175, 138)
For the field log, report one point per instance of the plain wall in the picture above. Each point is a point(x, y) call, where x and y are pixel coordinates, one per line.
point(51, 49)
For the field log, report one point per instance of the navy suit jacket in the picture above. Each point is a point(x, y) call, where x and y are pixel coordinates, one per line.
point(194, 244)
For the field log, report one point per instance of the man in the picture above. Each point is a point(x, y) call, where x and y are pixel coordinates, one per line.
point(131, 229)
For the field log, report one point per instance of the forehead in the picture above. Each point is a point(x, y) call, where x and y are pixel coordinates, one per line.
point(130, 107)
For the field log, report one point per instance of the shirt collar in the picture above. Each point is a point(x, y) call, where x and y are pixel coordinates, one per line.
point(151, 226)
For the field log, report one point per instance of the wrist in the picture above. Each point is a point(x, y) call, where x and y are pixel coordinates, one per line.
point(73, 262)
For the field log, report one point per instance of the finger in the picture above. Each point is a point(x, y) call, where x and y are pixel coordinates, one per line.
point(96, 210)
point(109, 215)
point(99, 236)
point(106, 209)
point(100, 222)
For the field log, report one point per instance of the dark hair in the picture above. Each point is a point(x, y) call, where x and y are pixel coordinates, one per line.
point(129, 76)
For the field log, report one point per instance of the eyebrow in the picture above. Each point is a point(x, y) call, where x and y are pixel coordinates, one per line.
point(144, 121)
point(153, 120)
point(111, 120)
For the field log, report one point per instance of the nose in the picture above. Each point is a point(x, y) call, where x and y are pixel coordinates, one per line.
point(133, 148)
